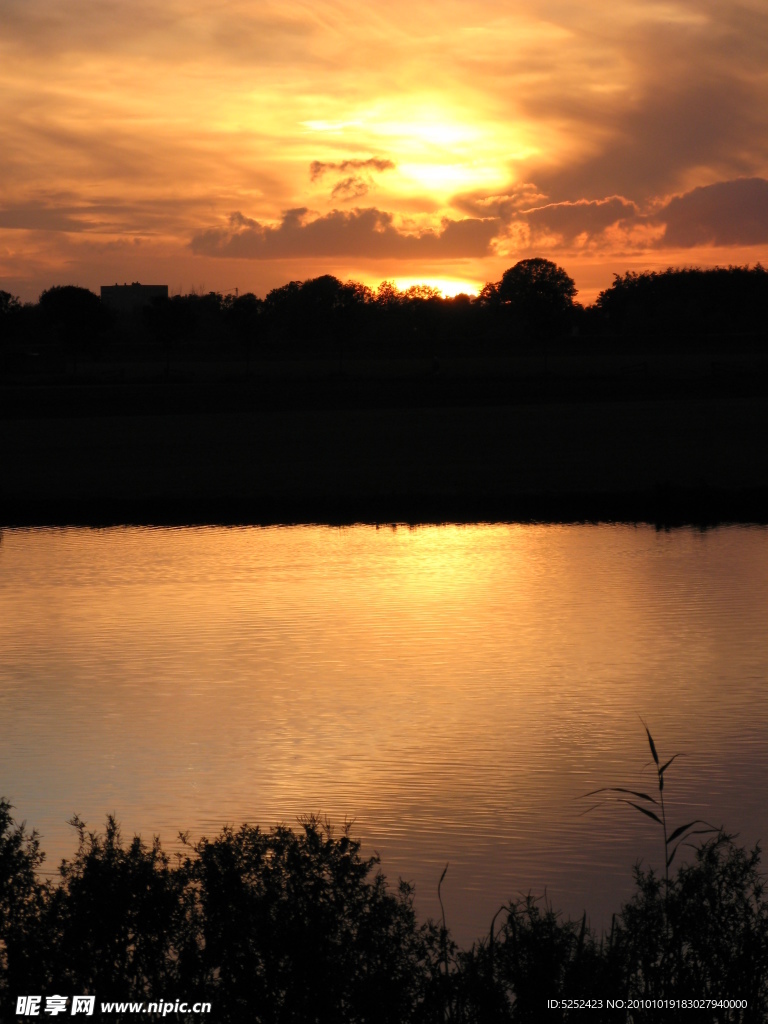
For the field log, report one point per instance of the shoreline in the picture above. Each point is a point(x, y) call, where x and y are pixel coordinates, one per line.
point(667, 461)
point(664, 509)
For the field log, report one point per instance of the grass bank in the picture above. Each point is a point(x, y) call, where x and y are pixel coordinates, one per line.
point(187, 456)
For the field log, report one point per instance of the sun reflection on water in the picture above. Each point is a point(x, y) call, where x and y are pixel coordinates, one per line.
point(453, 689)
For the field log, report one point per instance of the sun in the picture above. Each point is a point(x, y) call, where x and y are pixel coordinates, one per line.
point(447, 286)
point(437, 147)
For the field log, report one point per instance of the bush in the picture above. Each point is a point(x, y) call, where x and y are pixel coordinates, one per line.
point(288, 926)
point(299, 926)
point(23, 899)
point(295, 926)
point(707, 934)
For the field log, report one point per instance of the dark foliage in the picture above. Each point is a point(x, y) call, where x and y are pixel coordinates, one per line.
point(321, 310)
point(75, 314)
point(686, 306)
point(706, 933)
point(300, 926)
point(23, 901)
point(293, 925)
point(10, 317)
point(9, 306)
point(539, 296)
point(533, 305)
point(281, 926)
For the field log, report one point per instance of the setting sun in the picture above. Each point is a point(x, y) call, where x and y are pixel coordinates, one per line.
point(245, 148)
point(448, 287)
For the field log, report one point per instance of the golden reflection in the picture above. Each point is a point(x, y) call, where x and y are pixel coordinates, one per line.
point(451, 688)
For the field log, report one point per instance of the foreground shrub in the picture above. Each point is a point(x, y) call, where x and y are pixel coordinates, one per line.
point(707, 934)
point(295, 926)
point(23, 899)
point(118, 919)
point(299, 927)
point(281, 926)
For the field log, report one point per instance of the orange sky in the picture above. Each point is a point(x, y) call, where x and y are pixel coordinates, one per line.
point(235, 144)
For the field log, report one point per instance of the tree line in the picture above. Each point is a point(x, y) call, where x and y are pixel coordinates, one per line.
point(534, 302)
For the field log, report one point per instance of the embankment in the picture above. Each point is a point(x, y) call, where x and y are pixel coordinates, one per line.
point(202, 453)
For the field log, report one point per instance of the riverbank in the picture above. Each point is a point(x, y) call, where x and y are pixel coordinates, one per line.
point(296, 925)
point(189, 455)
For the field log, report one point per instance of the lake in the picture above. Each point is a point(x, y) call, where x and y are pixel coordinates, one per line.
point(452, 690)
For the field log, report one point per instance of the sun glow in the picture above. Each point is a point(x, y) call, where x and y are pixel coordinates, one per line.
point(450, 177)
point(447, 286)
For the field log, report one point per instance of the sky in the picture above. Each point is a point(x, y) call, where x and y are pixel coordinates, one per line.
point(240, 145)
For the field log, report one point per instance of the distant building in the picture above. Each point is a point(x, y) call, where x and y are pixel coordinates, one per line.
point(127, 298)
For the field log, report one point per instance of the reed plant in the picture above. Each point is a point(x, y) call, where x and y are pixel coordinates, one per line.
point(672, 841)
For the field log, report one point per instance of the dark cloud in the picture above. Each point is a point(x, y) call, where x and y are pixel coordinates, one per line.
point(687, 96)
point(666, 92)
point(237, 220)
point(353, 186)
point(365, 233)
point(317, 168)
point(350, 188)
point(570, 220)
point(651, 144)
point(525, 206)
point(63, 212)
point(174, 29)
point(727, 213)
point(36, 217)
point(504, 205)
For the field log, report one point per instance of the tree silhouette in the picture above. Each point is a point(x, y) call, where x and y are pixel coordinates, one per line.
point(10, 310)
point(319, 309)
point(683, 305)
point(538, 293)
point(75, 316)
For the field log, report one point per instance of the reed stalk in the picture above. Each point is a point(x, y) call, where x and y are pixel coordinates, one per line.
point(672, 841)
point(682, 832)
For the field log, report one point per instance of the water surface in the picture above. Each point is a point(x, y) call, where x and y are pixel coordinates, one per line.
point(454, 690)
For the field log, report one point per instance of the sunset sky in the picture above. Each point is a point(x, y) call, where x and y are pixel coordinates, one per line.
point(241, 144)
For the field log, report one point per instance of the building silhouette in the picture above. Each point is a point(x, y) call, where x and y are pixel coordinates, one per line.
point(127, 298)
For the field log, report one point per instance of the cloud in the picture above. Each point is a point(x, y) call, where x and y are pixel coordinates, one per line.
point(67, 213)
point(364, 233)
point(317, 168)
point(176, 29)
point(651, 145)
point(530, 223)
point(503, 205)
point(158, 120)
point(350, 188)
point(681, 98)
point(354, 186)
point(37, 217)
point(726, 213)
point(584, 217)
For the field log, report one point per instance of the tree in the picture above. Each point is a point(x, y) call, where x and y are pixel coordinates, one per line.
point(320, 309)
point(539, 294)
point(8, 304)
point(75, 316)
point(10, 308)
point(71, 307)
point(680, 306)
